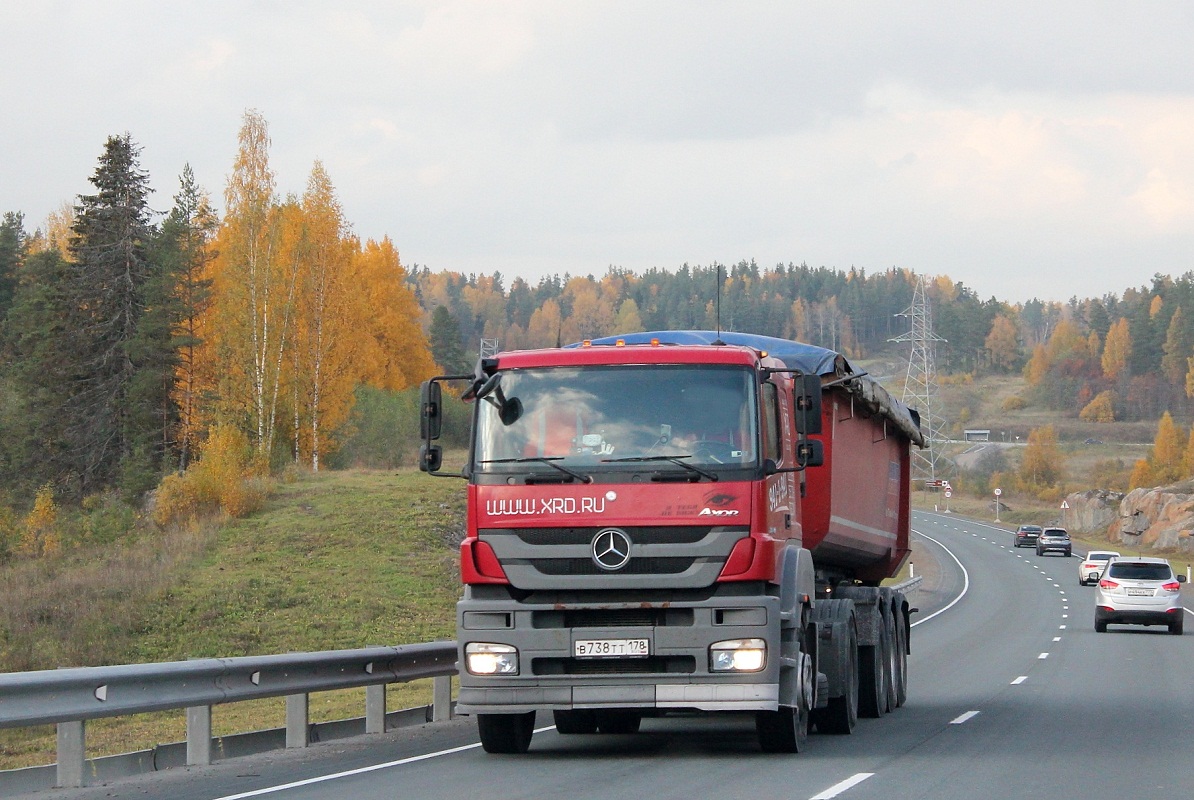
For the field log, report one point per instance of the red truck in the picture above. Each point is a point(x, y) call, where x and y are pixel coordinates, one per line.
point(679, 521)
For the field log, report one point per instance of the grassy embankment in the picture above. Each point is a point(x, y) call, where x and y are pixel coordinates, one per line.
point(339, 560)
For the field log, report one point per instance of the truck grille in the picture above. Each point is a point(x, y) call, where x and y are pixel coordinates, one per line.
point(661, 556)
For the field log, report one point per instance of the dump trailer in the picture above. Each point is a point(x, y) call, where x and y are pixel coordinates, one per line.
point(679, 521)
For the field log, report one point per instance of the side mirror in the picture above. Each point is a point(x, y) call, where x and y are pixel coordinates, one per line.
point(431, 457)
point(810, 452)
point(430, 411)
point(1181, 578)
point(808, 404)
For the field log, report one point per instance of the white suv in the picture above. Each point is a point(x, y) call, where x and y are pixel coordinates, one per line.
point(1139, 591)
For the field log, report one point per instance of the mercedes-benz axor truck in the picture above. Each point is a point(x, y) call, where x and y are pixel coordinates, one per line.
point(678, 521)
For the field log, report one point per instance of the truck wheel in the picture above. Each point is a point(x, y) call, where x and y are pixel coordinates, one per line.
point(506, 733)
point(841, 714)
point(873, 663)
point(618, 721)
point(575, 721)
point(785, 730)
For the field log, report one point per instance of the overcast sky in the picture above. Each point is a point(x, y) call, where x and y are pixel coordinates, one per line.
point(1026, 149)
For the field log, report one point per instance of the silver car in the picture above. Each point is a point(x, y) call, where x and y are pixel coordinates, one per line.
point(1139, 591)
point(1090, 569)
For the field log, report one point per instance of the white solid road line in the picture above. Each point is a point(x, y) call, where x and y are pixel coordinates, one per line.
point(965, 580)
point(838, 788)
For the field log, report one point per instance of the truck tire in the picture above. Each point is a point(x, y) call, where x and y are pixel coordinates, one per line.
point(618, 721)
point(841, 714)
point(575, 721)
point(874, 662)
point(506, 733)
point(785, 730)
point(892, 658)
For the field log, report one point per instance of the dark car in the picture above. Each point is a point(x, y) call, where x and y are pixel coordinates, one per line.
point(1053, 540)
point(1026, 535)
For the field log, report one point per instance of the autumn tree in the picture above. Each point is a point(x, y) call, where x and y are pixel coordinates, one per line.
point(329, 320)
point(1002, 343)
point(256, 289)
point(393, 353)
point(1168, 451)
point(1117, 350)
point(1100, 409)
point(1042, 465)
point(185, 250)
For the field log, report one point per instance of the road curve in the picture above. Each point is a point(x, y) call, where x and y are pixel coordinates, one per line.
point(1011, 694)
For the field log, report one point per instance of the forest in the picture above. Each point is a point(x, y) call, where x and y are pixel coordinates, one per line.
point(136, 344)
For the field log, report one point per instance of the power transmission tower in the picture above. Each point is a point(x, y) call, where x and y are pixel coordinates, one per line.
point(920, 388)
point(489, 348)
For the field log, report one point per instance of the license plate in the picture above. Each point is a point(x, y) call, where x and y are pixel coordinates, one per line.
point(611, 648)
point(1140, 592)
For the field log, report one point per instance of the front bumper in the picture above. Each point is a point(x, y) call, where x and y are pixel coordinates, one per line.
point(676, 675)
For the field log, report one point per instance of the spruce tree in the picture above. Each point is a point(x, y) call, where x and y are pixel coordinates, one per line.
point(13, 248)
point(111, 403)
point(446, 347)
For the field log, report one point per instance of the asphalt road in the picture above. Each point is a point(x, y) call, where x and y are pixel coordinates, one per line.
point(1011, 694)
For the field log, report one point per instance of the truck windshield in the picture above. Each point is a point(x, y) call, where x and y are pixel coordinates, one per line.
point(598, 417)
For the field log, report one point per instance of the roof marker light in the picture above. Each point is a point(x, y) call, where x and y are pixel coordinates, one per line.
point(620, 343)
point(587, 343)
point(655, 343)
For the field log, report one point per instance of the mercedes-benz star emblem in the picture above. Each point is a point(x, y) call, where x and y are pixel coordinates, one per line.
point(611, 549)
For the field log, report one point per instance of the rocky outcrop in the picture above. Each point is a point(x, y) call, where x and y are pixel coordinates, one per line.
point(1160, 519)
point(1092, 511)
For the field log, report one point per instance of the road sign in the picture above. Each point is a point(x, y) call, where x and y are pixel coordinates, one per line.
point(998, 492)
point(1064, 505)
point(949, 493)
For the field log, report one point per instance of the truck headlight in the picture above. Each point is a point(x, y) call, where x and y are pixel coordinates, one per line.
point(738, 655)
point(485, 658)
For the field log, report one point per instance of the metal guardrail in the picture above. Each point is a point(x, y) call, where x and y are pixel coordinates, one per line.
point(69, 697)
point(911, 583)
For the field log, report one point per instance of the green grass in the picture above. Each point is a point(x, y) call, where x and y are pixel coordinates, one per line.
point(336, 560)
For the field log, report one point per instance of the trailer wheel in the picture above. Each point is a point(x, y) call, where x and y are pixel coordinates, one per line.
point(841, 714)
point(874, 662)
point(893, 664)
point(901, 654)
point(575, 721)
point(506, 733)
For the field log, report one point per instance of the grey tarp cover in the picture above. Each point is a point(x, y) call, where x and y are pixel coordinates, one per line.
point(807, 358)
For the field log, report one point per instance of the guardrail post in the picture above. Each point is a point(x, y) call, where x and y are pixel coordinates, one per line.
point(441, 703)
point(375, 708)
point(198, 735)
point(297, 718)
point(71, 754)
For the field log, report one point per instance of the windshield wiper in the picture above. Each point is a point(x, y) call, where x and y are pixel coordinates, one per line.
point(548, 460)
point(677, 459)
